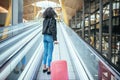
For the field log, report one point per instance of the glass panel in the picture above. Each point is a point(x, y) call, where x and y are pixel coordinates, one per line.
point(93, 7)
point(86, 29)
point(97, 16)
point(46, 4)
point(17, 29)
point(106, 12)
point(92, 35)
point(105, 1)
point(15, 74)
point(116, 33)
point(116, 8)
point(86, 15)
point(93, 64)
point(92, 18)
point(97, 36)
point(86, 22)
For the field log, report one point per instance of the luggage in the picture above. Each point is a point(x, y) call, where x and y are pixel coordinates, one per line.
point(59, 70)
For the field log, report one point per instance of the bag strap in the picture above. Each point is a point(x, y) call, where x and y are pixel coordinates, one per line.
point(50, 21)
point(48, 25)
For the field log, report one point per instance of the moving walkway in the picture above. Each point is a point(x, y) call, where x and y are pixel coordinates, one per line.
point(84, 63)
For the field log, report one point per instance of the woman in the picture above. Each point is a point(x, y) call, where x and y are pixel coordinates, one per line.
point(50, 37)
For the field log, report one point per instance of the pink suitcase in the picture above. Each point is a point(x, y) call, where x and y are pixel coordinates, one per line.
point(59, 70)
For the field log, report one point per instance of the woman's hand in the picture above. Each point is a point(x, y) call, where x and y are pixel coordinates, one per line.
point(56, 42)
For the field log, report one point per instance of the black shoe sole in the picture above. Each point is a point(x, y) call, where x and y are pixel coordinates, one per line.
point(48, 72)
point(45, 70)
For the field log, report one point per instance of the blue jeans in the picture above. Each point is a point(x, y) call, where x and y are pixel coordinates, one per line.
point(48, 49)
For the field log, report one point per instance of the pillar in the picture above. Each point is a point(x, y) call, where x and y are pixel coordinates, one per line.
point(110, 30)
point(64, 11)
point(14, 12)
point(17, 11)
point(101, 24)
point(83, 18)
point(20, 11)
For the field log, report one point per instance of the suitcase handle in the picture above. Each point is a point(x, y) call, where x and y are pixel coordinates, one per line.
point(57, 47)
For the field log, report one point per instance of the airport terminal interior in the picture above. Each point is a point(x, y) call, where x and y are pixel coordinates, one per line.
point(88, 32)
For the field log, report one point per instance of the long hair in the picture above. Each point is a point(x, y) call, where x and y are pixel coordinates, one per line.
point(49, 13)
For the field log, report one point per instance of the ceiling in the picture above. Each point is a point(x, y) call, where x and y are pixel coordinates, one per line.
point(71, 7)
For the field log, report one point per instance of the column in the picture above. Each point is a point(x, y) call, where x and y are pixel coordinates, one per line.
point(64, 11)
point(101, 24)
point(83, 19)
point(20, 11)
point(110, 30)
point(14, 12)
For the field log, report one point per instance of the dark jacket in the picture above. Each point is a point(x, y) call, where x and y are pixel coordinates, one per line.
point(49, 27)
